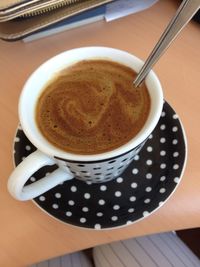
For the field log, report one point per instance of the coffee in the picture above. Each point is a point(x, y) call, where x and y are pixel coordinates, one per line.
point(92, 107)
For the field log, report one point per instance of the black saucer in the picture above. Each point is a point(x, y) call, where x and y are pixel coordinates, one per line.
point(147, 183)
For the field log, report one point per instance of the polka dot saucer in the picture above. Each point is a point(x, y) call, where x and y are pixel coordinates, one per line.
point(148, 182)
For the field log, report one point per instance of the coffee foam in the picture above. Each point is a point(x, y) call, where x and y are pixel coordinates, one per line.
point(92, 107)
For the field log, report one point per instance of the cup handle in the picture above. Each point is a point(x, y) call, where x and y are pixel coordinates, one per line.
point(26, 169)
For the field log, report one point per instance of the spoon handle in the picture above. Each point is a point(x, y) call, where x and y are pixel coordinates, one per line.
point(185, 12)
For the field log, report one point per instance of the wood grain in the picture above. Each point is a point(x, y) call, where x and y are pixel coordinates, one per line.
point(27, 234)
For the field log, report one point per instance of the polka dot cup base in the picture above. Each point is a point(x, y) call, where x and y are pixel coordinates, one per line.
point(143, 187)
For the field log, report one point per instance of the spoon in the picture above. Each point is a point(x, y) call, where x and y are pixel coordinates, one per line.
point(183, 15)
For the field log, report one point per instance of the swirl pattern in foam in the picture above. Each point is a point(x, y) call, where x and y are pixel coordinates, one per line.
point(92, 107)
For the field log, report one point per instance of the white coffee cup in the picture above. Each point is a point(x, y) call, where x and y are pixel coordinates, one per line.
point(94, 168)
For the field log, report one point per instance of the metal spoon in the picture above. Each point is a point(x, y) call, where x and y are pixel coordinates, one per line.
point(183, 15)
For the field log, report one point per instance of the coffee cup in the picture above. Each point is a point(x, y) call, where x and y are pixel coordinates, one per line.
point(96, 167)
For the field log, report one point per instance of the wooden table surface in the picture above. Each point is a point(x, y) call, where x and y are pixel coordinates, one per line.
point(29, 235)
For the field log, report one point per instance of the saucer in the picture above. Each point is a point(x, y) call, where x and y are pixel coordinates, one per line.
point(143, 187)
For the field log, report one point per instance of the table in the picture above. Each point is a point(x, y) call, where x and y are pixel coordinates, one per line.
point(29, 235)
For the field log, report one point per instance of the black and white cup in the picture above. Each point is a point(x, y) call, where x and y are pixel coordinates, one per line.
point(90, 168)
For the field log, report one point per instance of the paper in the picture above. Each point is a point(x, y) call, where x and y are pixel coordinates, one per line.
point(121, 8)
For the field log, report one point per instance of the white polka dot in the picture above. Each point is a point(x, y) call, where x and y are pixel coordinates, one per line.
point(163, 165)
point(129, 222)
point(114, 218)
point(87, 195)
point(162, 140)
point(16, 139)
point(103, 187)
point(148, 175)
point(174, 129)
point(42, 198)
point(149, 162)
point(176, 167)
point(82, 220)
point(162, 178)
point(150, 136)
point(23, 158)
point(176, 180)
point(163, 114)
point(32, 179)
point(116, 207)
point(161, 203)
point(131, 210)
point(147, 200)
point(85, 209)
point(97, 226)
point(57, 195)
point(134, 185)
point(27, 147)
point(148, 189)
point(145, 213)
point(119, 180)
point(118, 194)
point(55, 206)
point(88, 182)
point(175, 154)
point(175, 116)
point(68, 214)
point(135, 171)
point(162, 152)
point(174, 141)
point(97, 166)
point(162, 190)
point(73, 188)
point(101, 202)
point(137, 157)
point(71, 202)
point(149, 148)
point(99, 214)
point(162, 127)
point(132, 199)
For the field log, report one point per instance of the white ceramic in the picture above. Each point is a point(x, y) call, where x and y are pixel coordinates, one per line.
point(94, 168)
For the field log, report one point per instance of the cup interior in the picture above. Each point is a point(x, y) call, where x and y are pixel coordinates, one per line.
point(42, 75)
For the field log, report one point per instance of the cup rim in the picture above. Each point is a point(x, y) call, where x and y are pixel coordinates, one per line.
point(38, 140)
